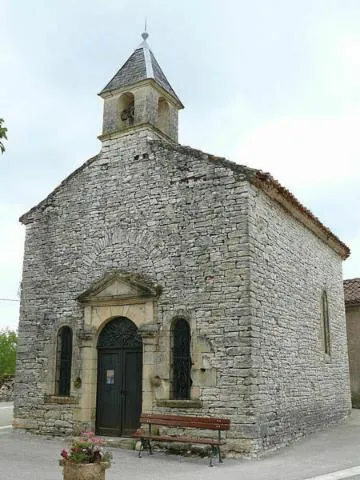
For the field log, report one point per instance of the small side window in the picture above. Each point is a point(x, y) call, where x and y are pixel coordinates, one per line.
point(63, 362)
point(180, 360)
point(325, 322)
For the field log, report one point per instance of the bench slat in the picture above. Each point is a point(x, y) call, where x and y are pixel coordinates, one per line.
point(184, 417)
point(172, 423)
point(181, 439)
point(184, 421)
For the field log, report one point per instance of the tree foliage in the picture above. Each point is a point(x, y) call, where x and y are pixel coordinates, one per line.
point(8, 341)
point(3, 131)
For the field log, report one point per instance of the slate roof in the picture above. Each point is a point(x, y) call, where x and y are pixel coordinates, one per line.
point(352, 291)
point(141, 65)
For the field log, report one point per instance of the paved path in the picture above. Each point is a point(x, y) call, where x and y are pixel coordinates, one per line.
point(6, 409)
point(329, 455)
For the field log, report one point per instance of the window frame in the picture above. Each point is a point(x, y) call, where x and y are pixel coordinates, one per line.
point(180, 359)
point(64, 354)
point(325, 323)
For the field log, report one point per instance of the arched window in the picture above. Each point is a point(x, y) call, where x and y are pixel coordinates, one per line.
point(63, 361)
point(126, 110)
point(163, 122)
point(180, 360)
point(325, 322)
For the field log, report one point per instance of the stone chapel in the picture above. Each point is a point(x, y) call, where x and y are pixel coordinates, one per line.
point(160, 278)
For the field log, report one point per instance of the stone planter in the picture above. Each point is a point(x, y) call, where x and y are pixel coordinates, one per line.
point(84, 471)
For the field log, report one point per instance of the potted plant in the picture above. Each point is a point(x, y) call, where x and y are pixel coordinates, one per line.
point(85, 460)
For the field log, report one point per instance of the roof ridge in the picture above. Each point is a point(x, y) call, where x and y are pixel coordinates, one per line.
point(271, 187)
point(148, 63)
point(207, 156)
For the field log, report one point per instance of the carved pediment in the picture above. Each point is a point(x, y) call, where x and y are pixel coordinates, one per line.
point(117, 288)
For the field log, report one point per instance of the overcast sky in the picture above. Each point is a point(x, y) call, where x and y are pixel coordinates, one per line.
point(273, 84)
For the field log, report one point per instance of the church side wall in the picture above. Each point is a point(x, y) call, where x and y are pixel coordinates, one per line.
point(353, 335)
point(210, 287)
point(173, 217)
point(300, 388)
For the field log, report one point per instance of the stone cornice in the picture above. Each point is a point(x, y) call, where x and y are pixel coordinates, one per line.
point(130, 130)
point(137, 85)
point(139, 290)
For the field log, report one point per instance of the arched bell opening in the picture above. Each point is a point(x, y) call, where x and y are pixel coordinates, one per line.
point(126, 110)
point(163, 121)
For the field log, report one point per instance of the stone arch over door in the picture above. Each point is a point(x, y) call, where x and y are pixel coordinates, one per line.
point(119, 378)
point(116, 296)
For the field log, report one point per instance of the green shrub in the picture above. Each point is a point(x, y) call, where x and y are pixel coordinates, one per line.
point(8, 341)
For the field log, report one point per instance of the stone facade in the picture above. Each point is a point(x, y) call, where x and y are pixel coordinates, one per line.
point(352, 306)
point(153, 231)
point(299, 387)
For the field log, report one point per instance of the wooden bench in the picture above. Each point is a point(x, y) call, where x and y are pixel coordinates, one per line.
point(177, 421)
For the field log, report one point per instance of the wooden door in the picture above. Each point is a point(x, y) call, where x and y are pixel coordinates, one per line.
point(119, 391)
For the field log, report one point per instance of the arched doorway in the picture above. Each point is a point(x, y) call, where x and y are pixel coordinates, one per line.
point(119, 391)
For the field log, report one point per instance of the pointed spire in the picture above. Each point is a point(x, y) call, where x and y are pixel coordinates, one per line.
point(140, 66)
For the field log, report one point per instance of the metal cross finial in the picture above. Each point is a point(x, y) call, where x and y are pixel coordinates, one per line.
point(145, 34)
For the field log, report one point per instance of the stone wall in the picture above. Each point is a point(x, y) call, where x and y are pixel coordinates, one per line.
point(353, 335)
point(247, 276)
point(298, 387)
point(170, 215)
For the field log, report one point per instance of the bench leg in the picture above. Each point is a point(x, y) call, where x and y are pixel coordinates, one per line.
point(145, 444)
point(220, 459)
point(140, 448)
point(212, 455)
point(215, 450)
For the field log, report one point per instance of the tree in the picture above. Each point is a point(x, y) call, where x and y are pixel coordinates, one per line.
point(3, 131)
point(8, 341)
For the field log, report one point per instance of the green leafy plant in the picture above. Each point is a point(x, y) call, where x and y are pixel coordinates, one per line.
point(86, 449)
point(8, 341)
point(3, 131)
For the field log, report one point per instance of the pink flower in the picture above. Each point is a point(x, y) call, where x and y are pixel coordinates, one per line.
point(64, 453)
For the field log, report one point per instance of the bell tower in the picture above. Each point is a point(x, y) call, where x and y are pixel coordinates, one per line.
point(140, 96)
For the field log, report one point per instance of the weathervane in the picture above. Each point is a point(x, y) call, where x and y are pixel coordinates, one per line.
point(145, 34)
